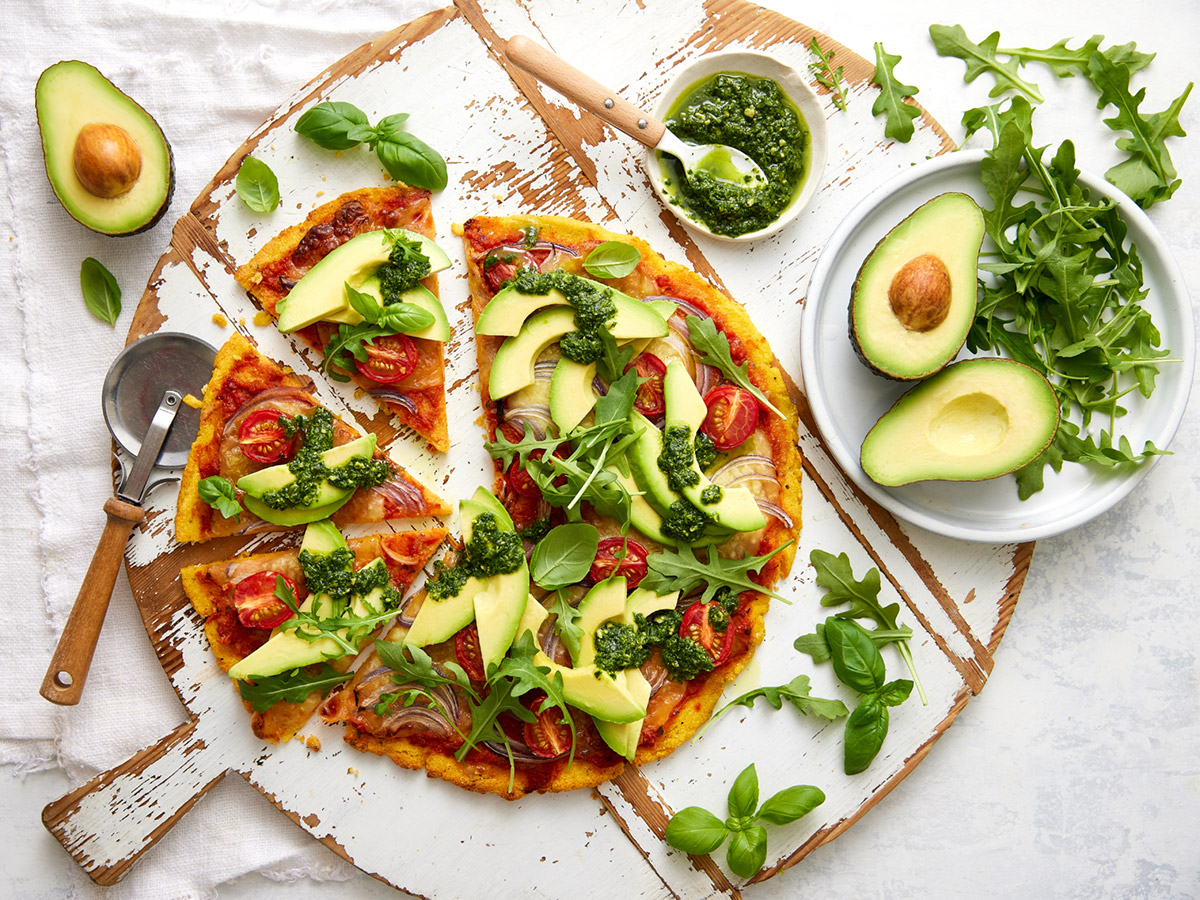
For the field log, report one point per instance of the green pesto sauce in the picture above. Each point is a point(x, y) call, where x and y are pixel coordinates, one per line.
point(310, 470)
point(753, 115)
point(684, 659)
point(711, 494)
point(706, 453)
point(618, 647)
point(405, 267)
point(593, 303)
point(659, 627)
point(684, 521)
point(333, 574)
point(490, 551)
point(676, 458)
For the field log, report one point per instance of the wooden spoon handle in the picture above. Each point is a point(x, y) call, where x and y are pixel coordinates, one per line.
point(108, 823)
point(72, 659)
point(584, 90)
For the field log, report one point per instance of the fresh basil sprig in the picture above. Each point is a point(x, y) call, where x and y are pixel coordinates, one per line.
point(349, 343)
point(713, 348)
point(696, 830)
point(257, 185)
point(100, 290)
point(220, 494)
point(612, 259)
point(892, 94)
point(341, 126)
point(564, 556)
point(292, 687)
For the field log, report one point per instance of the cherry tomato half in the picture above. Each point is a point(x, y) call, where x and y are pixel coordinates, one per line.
point(732, 416)
point(649, 400)
point(501, 264)
point(263, 439)
point(466, 648)
point(521, 482)
point(696, 625)
point(547, 735)
point(632, 564)
point(390, 358)
point(256, 603)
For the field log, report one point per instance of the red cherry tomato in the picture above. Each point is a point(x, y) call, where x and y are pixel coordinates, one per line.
point(256, 603)
point(502, 263)
point(696, 625)
point(547, 735)
point(632, 563)
point(521, 482)
point(466, 648)
point(390, 358)
point(732, 416)
point(263, 439)
point(649, 400)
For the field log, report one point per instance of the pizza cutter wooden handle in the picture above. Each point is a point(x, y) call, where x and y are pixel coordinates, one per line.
point(72, 659)
point(108, 823)
point(543, 65)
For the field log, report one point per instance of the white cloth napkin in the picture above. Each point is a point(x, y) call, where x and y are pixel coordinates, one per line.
point(210, 74)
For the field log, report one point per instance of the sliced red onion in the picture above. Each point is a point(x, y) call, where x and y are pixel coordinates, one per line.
point(688, 307)
point(394, 397)
point(520, 751)
point(743, 460)
point(281, 397)
point(706, 377)
point(537, 416)
point(554, 253)
point(751, 476)
point(551, 642)
point(403, 493)
point(657, 678)
point(772, 510)
point(542, 371)
point(599, 386)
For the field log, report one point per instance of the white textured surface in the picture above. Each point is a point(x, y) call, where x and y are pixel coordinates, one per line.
point(1074, 773)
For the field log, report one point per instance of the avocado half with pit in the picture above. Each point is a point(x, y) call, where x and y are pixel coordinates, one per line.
point(913, 300)
point(974, 420)
point(106, 157)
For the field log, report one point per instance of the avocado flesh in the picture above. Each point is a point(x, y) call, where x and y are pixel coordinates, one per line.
point(950, 228)
point(606, 697)
point(71, 95)
point(974, 420)
point(571, 394)
point(507, 312)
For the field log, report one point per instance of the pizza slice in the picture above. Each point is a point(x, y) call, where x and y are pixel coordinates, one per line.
point(287, 625)
point(267, 457)
point(356, 280)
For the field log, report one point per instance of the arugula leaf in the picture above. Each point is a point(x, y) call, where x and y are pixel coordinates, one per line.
point(952, 40)
point(612, 259)
point(680, 570)
point(817, 647)
point(291, 687)
point(220, 494)
point(564, 556)
point(613, 359)
point(100, 291)
point(256, 185)
point(712, 346)
point(826, 75)
point(795, 692)
point(892, 93)
point(565, 623)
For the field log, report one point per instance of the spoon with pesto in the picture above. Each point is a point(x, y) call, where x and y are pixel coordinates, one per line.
point(718, 161)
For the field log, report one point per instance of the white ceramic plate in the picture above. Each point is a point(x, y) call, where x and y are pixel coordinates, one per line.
point(847, 399)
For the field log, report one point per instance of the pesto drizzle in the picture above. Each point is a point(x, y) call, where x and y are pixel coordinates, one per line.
point(593, 303)
point(490, 551)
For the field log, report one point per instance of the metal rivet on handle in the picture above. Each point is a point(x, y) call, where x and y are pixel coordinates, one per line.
point(642, 123)
point(608, 103)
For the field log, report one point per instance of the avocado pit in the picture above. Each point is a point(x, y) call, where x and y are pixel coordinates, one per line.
point(107, 160)
point(920, 293)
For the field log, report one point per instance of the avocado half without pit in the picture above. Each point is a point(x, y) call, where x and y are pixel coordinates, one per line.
point(974, 420)
point(106, 157)
point(913, 300)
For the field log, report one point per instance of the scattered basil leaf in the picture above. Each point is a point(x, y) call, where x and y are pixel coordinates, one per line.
point(856, 660)
point(612, 259)
point(100, 290)
point(743, 795)
point(695, 830)
point(256, 185)
point(412, 161)
point(747, 851)
point(220, 494)
point(290, 687)
point(791, 804)
point(892, 94)
point(712, 345)
point(564, 556)
point(866, 729)
point(330, 124)
point(895, 692)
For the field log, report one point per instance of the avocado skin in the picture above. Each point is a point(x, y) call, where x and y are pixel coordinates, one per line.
point(948, 353)
point(59, 190)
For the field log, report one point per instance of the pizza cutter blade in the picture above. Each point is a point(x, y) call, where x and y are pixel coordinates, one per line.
point(144, 410)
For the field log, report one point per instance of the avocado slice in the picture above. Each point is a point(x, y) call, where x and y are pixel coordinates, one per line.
point(107, 160)
point(571, 394)
point(913, 300)
point(597, 693)
point(624, 737)
point(288, 517)
point(329, 497)
point(976, 419)
point(605, 601)
point(321, 293)
point(507, 312)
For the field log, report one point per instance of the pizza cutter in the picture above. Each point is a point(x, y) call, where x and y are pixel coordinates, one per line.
point(144, 410)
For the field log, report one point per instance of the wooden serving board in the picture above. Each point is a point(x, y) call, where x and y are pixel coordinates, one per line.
point(513, 146)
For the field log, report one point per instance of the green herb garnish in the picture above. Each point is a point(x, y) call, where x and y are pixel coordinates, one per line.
point(564, 556)
point(795, 692)
point(257, 185)
point(291, 687)
point(220, 494)
point(100, 290)
point(680, 570)
point(892, 94)
point(612, 259)
point(712, 346)
point(828, 77)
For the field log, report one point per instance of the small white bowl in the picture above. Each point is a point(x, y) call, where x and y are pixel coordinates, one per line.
point(794, 87)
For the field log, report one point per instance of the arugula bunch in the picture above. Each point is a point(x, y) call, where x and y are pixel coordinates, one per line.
point(698, 831)
point(416, 675)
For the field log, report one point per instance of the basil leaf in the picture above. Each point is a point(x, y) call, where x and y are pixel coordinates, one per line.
point(290, 687)
point(713, 347)
point(564, 556)
point(412, 161)
point(364, 304)
point(747, 851)
point(743, 796)
point(865, 730)
point(257, 185)
point(695, 830)
point(405, 318)
point(856, 660)
point(612, 259)
point(895, 692)
point(329, 125)
point(362, 134)
point(390, 127)
point(220, 494)
point(100, 290)
point(791, 803)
